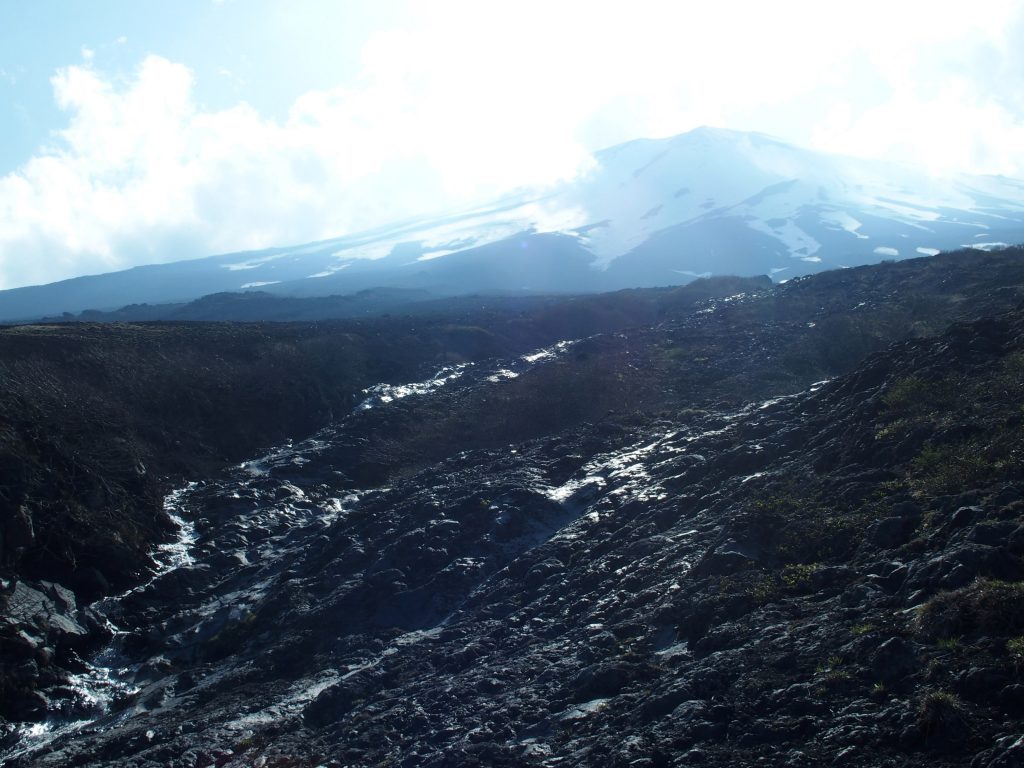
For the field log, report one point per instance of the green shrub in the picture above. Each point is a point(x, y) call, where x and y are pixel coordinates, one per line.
point(1015, 648)
point(799, 577)
point(940, 714)
point(949, 468)
point(985, 606)
point(919, 396)
point(905, 393)
point(833, 672)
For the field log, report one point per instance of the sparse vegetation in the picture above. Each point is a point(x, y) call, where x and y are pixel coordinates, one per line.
point(946, 468)
point(1015, 650)
point(985, 606)
point(798, 577)
point(940, 714)
point(834, 672)
point(806, 531)
point(918, 396)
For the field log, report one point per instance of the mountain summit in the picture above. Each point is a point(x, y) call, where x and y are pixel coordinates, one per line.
point(649, 212)
point(717, 201)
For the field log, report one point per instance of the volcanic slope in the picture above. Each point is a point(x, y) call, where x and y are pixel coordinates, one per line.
point(654, 212)
point(626, 549)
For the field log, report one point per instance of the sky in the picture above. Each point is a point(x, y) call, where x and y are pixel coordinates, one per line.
point(138, 131)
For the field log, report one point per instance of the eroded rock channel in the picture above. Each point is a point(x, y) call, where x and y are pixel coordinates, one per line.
point(827, 576)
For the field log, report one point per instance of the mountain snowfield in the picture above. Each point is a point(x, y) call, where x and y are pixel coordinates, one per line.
point(649, 212)
point(809, 207)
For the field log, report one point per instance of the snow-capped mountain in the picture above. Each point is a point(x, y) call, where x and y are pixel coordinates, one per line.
point(720, 201)
point(648, 213)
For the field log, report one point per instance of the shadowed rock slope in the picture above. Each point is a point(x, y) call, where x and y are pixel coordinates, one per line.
point(657, 546)
point(97, 421)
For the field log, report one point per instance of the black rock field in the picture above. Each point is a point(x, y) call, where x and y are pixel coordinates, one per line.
point(729, 524)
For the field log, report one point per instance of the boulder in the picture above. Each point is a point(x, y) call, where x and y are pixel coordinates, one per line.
point(893, 660)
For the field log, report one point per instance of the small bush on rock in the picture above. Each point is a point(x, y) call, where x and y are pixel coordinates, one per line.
point(1015, 648)
point(984, 606)
point(940, 715)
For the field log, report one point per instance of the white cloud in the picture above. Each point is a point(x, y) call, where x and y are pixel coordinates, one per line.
point(466, 100)
point(953, 97)
point(952, 130)
point(141, 174)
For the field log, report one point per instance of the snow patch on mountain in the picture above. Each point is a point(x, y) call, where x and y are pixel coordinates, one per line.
point(987, 246)
point(845, 222)
point(648, 212)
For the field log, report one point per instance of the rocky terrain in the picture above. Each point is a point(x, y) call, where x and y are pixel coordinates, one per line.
point(774, 526)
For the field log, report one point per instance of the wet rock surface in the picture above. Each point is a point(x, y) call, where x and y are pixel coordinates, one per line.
point(686, 567)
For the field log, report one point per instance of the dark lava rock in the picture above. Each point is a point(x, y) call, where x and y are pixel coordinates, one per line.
point(891, 532)
point(331, 705)
point(658, 546)
point(1008, 752)
point(894, 659)
point(602, 680)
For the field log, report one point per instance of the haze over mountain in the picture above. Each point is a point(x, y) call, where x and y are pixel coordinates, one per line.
point(649, 213)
